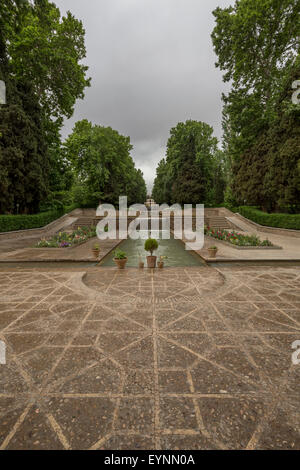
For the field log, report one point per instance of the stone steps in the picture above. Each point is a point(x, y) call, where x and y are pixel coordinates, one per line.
point(212, 221)
point(218, 222)
point(84, 222)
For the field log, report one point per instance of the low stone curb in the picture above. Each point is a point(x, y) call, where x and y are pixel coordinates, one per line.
point(251, 260)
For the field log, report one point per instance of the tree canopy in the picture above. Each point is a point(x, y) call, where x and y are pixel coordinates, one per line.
point(192, 165)
point(102, 163)
point(257, 44)
point(40, 54)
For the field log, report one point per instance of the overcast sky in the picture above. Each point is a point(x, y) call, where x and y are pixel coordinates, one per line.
point(152, 66)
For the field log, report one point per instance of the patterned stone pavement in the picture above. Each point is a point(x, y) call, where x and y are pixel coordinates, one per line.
point(184, 358)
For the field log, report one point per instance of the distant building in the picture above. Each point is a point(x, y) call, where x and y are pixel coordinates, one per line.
point(149, 203)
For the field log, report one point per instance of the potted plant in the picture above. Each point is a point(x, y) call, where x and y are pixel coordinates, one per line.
point(212, 251)
point(96, 250)
point(120, 258)
point(141, 262)
point(151, 245)
point(161, 263)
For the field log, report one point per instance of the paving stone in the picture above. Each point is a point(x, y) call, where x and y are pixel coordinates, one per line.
point(177, 413)
point(183, 358)
point(185, 442)
point(173, 381)
point(231, 420)
point(139, 382)
point(282, 432)
point(35, 433)
point(83, 421)
point(125, 442)
point(136, 415)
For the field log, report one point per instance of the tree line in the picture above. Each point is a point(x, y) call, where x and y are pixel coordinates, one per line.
point(257, 47)
point(193, 170)
point(41, 55)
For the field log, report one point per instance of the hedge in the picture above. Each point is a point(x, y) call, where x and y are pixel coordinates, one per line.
point(290, 221)
point(10, 223)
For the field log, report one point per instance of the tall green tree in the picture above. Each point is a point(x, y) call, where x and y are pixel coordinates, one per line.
point(103, 166)
point(192, 167)
point(24, 162)
point(254, 41)
point(46, 50)
point(257, 44)
point(40, 55)
point(269, 172)
point(161, 191)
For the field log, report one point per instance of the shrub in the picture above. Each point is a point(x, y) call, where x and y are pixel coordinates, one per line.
point(151, 245)
point(289, 221)
point(119, 254)
point(10, 223)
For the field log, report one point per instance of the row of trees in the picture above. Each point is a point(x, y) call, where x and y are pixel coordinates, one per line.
point(257, 45)
point(41, 56)
point(192, 172)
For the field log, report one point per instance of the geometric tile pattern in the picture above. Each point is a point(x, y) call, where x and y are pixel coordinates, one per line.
point(183, 358)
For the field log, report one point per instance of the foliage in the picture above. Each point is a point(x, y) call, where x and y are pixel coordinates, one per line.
point(257, 44)
point(119, 254)
point(151, 245)
point(192, 172)
point(161, 191)
point(103, 166)
point(269, 173)
point(56, 198)
point(22, 222)
point(66, 240)
point(40, 55)
point(46, 50)
point(24, 158)
point(236, 238)
point(254, 40)
point(288, 221)
point(10, 223)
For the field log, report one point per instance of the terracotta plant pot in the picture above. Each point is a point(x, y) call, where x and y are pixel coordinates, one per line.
point(141, 264)
point(212, 252)
point(160, 264)
point(151, 261)
point(120, 262)
point(96, 253)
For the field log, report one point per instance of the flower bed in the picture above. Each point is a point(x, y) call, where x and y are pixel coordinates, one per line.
point(235, 238)
point(67, 240)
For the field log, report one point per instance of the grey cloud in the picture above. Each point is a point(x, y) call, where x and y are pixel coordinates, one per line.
point(152, 65)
